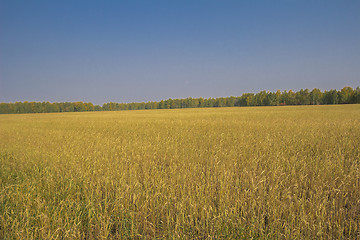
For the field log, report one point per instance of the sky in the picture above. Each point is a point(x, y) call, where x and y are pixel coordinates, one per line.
point(149, 50)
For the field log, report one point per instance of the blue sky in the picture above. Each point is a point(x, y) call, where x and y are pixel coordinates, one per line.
point(134, 51)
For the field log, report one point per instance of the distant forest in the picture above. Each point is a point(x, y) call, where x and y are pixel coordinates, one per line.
point(347, 95)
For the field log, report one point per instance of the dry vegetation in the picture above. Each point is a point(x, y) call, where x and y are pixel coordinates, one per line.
point(223, 173)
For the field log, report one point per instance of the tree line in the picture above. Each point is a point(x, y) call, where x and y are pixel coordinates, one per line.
point(346, 95)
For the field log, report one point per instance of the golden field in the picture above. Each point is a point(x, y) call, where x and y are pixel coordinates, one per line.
point(217, 173)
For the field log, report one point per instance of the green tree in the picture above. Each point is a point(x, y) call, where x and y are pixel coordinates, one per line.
point(331, 97)
point(97, 108)
point(220, 102)
point(260, 98)
point(356, 96)
point(230, 101)
point(303, 97)
point(346, 95)
point(161, 105)
point(271, 99)
point(201, 102)
point(316, 96)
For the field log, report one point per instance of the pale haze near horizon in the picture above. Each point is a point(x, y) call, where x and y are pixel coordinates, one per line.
point(135, 51)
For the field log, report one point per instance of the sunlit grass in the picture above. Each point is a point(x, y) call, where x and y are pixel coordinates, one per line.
point(261, 172)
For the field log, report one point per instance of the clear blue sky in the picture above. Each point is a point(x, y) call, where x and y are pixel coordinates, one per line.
point(133, 51)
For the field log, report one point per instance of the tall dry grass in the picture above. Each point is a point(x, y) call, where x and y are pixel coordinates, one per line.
point(227, 173)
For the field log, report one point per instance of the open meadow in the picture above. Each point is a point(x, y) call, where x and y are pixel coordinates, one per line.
point(217, 173)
